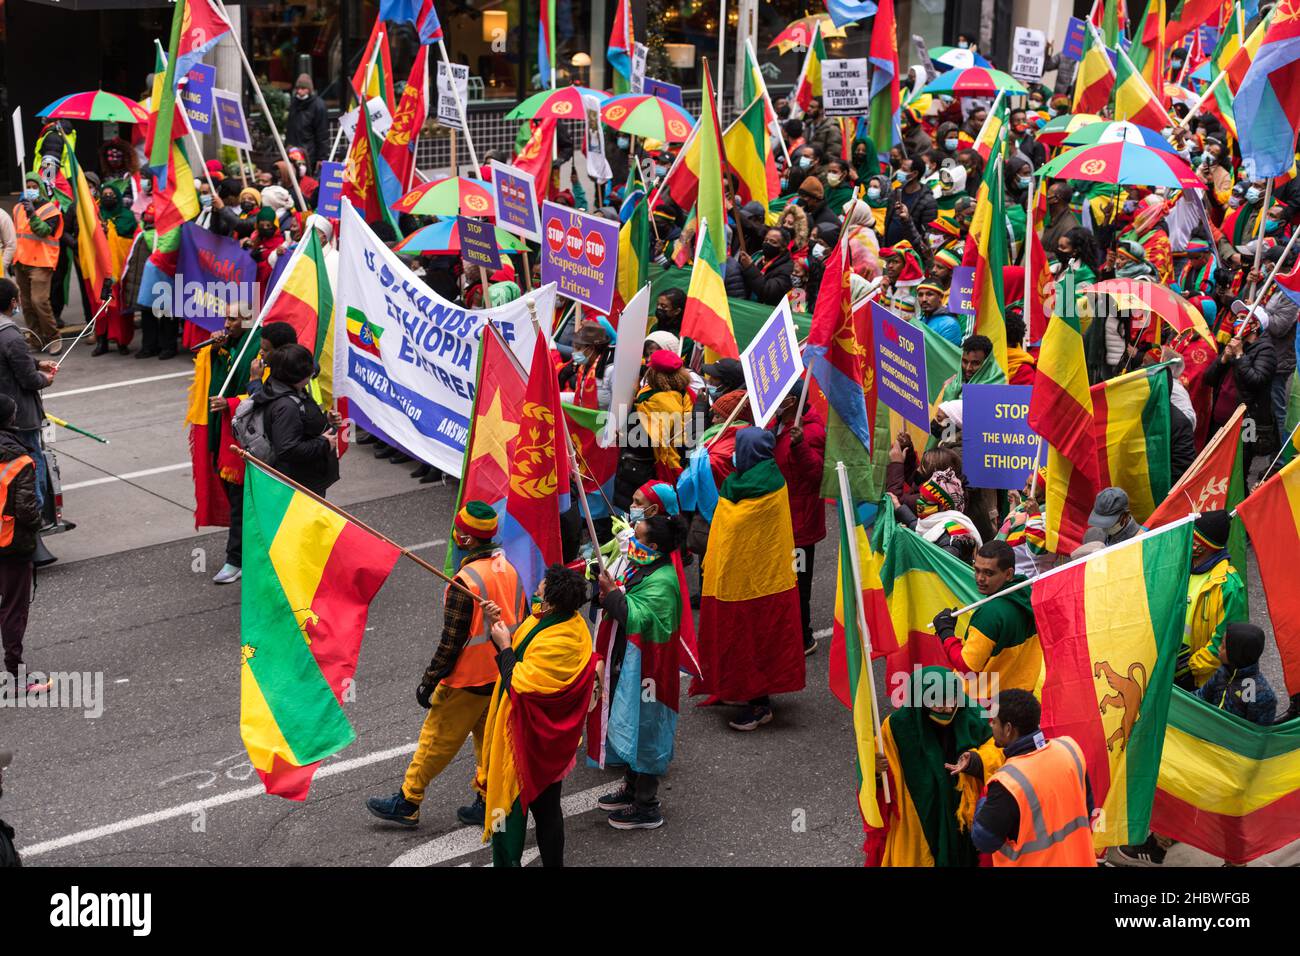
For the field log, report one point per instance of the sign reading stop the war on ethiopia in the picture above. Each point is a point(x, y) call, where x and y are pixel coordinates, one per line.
point(900, 367)
point(772, 363)
point(580, 255)
point(515, 193)
point(999, 448)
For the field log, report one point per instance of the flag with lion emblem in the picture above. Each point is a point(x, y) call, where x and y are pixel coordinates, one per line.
point(539, 476)
point(1110, 626)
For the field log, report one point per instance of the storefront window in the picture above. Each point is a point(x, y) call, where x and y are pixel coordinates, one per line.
point(286, 39)
point(486, 36)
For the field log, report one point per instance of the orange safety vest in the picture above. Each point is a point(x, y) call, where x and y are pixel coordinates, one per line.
point(33, 250)
point(10, 471)
point(1049, 789)
point(493, 579)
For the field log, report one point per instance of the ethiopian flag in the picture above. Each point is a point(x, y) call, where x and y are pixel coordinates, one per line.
point(362, 333)
point(1272, 517)
point(1094, 80)
point(707, 317)
point(1135, 101)
point(1227, 786)
point(749, 152)
point(988, 229)
point(1110, 627)
point(309, 578)
point(809, 82)
point(305, 299)
point(633, 246)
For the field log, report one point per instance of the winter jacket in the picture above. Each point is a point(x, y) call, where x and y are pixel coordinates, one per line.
point(770, 281)
point(296, 428)
point(1253, 375)
point(308, 127)
point(1281, 329)
point(924, 212)
point(21, 504)
point(734, 279)
point(1182, 444)
point(826, 135)
point(1243, 692)
point(20, 379)
point(801, 466)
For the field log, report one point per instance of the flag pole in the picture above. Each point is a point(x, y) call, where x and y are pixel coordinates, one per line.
point(847, 514)
point(722, 60)
point(261, 100)
point(1261, 232)
point(352, 519)
point(1268, 281)
point(762, 88)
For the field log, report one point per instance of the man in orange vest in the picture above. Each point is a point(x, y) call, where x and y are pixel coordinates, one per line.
point(1038, 809)
point(457, 686)
point(38, 223)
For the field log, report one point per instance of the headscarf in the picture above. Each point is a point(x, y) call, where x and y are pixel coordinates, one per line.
point(754, 445)
point(665, 340)
point(943, 492)
point(661, 494)
point(870, 165)
point(499, 293)
point(912, 270)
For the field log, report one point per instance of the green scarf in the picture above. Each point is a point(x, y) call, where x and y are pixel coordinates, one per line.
point(934, 790)
point(550, 620)
point(761, 479)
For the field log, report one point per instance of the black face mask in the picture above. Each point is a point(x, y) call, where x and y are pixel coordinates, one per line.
point(663, 315)
point(1063, 257)
point(770, 251)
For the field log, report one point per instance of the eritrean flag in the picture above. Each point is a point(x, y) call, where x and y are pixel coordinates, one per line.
point(546, 42)
point(420, 14)
point(362, 333)
point(398, 150)
point(1110, 626)
point(707, 317)
point(305, 299)
point(197, 26)
point(841, 342)
point(367, 84)
point(619, 52)
point(1227, 786)
point(1272, 517)
point(309, 578)
point(885, 99)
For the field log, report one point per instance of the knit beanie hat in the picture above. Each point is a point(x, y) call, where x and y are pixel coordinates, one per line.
point(478, 520)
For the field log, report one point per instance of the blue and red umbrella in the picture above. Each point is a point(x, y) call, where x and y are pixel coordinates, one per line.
point(1125, 164)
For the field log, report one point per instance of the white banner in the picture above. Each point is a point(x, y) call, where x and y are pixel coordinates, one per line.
point(1028, 54)
point(405, 357)
point(448, 112)
point(627, 364)
point(639, 53)
point(381, 120)
point(597, 164)
point(844, 87)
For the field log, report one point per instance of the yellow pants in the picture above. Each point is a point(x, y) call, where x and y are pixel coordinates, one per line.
point(454, 714)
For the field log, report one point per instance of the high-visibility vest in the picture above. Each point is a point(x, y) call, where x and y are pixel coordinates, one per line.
point(493, 579)
point(34, 250)
point(10, 471)
point(1049, 788)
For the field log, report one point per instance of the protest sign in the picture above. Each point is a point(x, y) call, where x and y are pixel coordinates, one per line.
point(231, 124)
point(212, 273)
point(196, 95)
point(1075, 34)
point(662, 90)
point(844, 87)
point(961, 293)
point(331, 189)
point(580, 255)
point(639, 53)
point(381, 119)
point(448, 111)
point(900, 366)
point(771, 363)
point(478, 243)
point(999, 448)
point(405, 358)
point(1028, 54)
point(627, 365)
point(597, 163)
point(515, 193)
point(20, 146)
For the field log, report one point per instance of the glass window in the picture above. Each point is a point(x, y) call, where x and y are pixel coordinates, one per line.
point(486, 36)
point(286, 39)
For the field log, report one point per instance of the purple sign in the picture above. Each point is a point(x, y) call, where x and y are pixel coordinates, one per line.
point(231, 123)
point(662, 90)
point(196, 95)
point(331, 190)
point(212, 273)
point(515, 193)
point(1072, 48)
point(580, 255)
point(961, 293)
point(999, 448)
point(478, 242)
point(771, 363)
point(900, 367)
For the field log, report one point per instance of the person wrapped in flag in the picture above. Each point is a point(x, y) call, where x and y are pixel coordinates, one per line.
point(1216, 598)
point(456, 688)
point(535, 718)
point(646, 639)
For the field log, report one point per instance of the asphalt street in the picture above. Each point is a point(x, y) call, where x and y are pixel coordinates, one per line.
point(161, 778)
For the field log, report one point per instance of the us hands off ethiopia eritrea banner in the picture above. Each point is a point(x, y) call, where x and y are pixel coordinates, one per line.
point(406, 358)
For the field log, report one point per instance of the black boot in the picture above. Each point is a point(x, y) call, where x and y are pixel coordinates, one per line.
point(421, 470)
point(166, 337)
point(148, 335)
point(101, 345)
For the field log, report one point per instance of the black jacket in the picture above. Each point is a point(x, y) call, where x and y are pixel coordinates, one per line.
point(21, 503)
point(1253, 373)
point(924, 212)
point(1182, 444)
point(308, 127)
point(297, 433)
point(769, 285)
point(20, 379)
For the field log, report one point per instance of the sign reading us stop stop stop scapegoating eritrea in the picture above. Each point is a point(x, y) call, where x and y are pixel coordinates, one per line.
point(580, 255)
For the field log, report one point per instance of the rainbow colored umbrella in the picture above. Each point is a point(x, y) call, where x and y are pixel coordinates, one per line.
point(1150, 298)
point(563, 103)
point(98, 106)
point(443, 238)
point(648, 116)
point(450, 196)
point(799, 33)
point(1116, 132)
point(974, 81)
point(1123, 164)
point(947, 58)
point(1052, 133)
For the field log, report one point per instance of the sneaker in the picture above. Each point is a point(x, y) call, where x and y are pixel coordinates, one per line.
point(37, 686)
point(810, 648)
point(637, 818)
point(395, 809)
point(620, 799)
point(752, 719)
point(54, 346)
point(1148, 854)
point(472, 815)
point(228, 574)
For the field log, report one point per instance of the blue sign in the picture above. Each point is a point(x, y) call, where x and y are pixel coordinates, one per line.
point(901, 381)
point(212, 274)
point(331, 189)
point(231, 123)
point(196, 96)
point(772, 364)
point(662, 90)
point(478, 243)
point(1075, 34)
point(515, 194)
point(961, 293)
point(999, 449)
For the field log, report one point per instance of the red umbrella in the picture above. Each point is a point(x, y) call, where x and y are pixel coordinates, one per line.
point(450, 196)
point(1143, 295)
point(96, 105)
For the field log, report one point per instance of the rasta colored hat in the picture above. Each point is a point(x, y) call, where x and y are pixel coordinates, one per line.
point(478, 520)
point(1212, 529)
point(932, 286)
point(266, 214)
point(662, 494)
point(948, 257)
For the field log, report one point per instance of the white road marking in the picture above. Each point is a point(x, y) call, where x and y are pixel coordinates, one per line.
point(468, 840)
point(824, 632)
point(131, 381)
point(194, 806)
point(107, 479)
point(427, 544)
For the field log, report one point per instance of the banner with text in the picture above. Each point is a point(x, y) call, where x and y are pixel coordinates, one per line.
point(231, 122)
point(844, 87)
point(772, 363)
point(1028, 54)
point(196, 95)
point(580, 255)
point(515, 193)
point(900, 367)
point(448, 112)
point(212, 273)
point(961, 293)
point(999, 448)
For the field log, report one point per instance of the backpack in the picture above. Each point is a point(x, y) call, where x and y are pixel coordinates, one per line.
point(249, 427)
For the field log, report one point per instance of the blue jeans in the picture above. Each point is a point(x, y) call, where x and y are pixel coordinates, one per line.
point(31, 438)
point(1280, 383)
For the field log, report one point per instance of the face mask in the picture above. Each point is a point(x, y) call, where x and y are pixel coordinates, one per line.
point(108, 202)
point(833, 179)
point(950, 145)
point(1129, 205)
point(1272, 226)
point(624, 142)
point(900, 177)
point(661, 171)
point(1063, 257)
point(31, 195)
point(715, 391)
point(579, 358)
point(804, 162)
point(1234, 202)
point(962, 44)
point(663, 315)
point(1254, 195)
point(535, 606)
point(770, 251)
point(1024, 182)
point(873, 193)
point(635, 514)
point(819, 252)
point(301, 94)
point(640, 555)
point(1035, 105)
point(205, 201)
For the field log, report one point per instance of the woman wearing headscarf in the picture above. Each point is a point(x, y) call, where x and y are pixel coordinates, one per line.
point(751, 645)
point(1152, 233)
point(931, 808)
point(860, 225)
point(877, 196)
point(646, 639)
point(939, 510)
point(795, 221)
point(535, 721)
point(866, 161)
point(952, 187)
point(117, 322)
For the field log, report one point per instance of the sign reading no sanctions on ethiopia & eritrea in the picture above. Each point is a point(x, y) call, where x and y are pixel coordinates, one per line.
point(580, 255)
point(900, 366)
